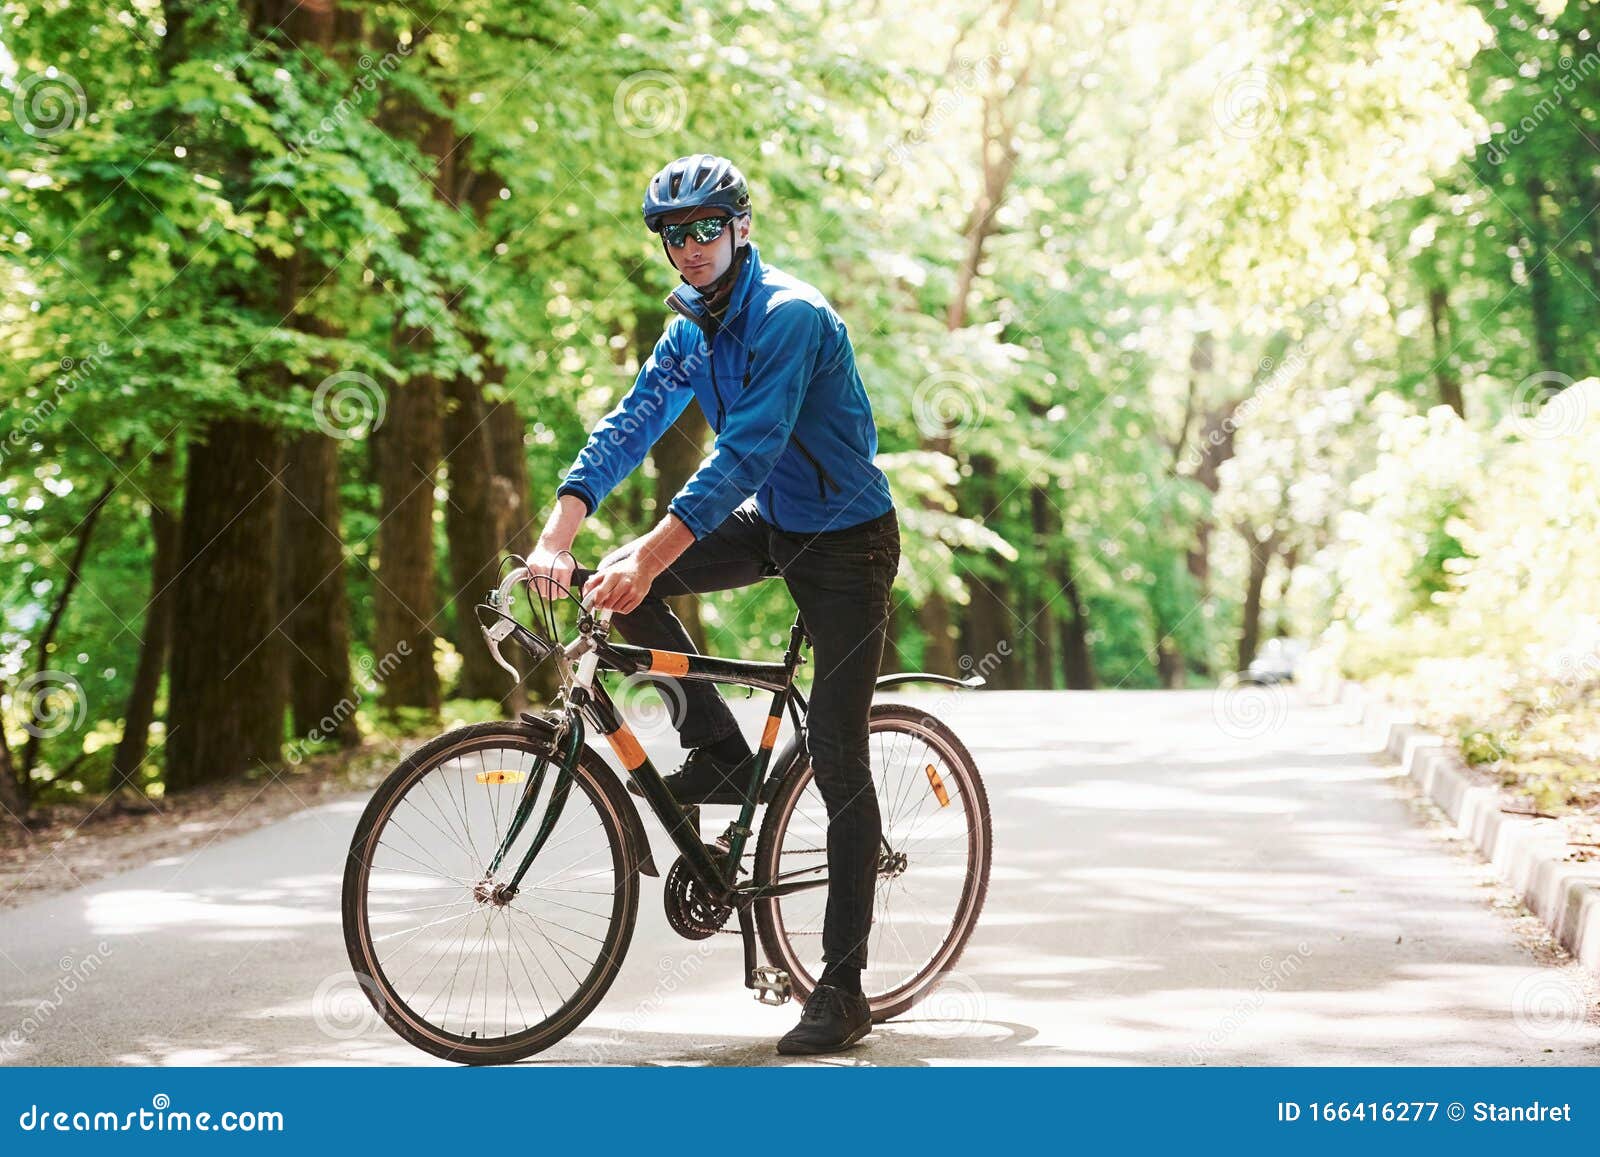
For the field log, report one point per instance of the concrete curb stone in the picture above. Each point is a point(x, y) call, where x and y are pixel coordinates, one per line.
point(1529, 854)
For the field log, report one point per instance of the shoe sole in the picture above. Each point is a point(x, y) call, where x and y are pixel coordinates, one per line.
point(805, 1050)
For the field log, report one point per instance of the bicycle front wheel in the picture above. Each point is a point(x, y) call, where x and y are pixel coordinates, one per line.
point(453, 963)
point(933, 871)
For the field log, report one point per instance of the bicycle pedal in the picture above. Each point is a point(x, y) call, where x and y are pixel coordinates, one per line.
point(771, 984)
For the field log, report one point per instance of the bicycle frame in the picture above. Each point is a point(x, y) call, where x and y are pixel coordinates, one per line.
point(587, 702)
point(718, 879)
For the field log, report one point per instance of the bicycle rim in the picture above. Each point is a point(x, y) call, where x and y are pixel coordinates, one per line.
point(924, 914)
point(457, 972)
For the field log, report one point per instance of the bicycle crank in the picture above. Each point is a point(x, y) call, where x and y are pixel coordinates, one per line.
point(692, 914)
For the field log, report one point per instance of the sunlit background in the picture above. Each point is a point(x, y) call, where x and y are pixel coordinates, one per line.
point(1197, 334)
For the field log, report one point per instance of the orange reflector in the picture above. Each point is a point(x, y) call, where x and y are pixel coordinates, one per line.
point(770, 735)
point(938, 787)
point(500, 777)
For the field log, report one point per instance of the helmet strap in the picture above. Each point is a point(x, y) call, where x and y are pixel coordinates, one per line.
point(723, 286)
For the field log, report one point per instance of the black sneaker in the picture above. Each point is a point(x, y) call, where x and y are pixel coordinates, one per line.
point(704, 778)
point(833, 1020)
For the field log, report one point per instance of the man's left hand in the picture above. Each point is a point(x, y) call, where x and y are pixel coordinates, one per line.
point(621, 583)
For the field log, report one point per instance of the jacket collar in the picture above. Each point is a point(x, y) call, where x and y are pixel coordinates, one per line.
point(691, 303)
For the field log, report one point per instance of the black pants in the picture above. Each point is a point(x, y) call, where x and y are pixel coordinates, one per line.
point(840, 581)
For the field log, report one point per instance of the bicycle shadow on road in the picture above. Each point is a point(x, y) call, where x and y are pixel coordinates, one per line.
point(910, 1043)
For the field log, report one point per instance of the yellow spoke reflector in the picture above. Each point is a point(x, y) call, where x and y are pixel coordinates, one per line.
point(501, 776)
point(938, 787)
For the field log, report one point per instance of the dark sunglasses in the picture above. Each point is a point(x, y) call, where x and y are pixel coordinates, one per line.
point(705, 231)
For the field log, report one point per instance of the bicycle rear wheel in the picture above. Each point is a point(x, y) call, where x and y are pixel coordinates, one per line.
point(455, 967)
point(933, 872)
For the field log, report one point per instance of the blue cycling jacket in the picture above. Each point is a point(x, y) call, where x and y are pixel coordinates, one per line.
point(778, 383)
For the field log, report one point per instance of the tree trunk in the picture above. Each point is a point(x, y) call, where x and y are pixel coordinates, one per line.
point(939, 651)
point(515, 513)
point(404, 597)
point(676, 456)
point(225, 709)
point(46, 644)
point(1076, 657)
point(988, 623)
point(1261, 552)
point(1541, 282)
point(1290, 559)
point(1444, 366)
point(1169, 663)
point(997, 156)
point(1588, 208)
point(316, 618)
point(1216, 447)
point(228, 667)
point(1042, 621)
point(473, 531)
point(15, 798)
point(408, 448)
point(989, 620)
point(141, 706)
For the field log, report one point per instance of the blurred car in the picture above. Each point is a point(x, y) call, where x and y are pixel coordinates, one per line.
point(1275, 663)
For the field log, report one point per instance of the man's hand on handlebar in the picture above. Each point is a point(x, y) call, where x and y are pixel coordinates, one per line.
point(624, 577)
point(621, 583)
point(550, 565)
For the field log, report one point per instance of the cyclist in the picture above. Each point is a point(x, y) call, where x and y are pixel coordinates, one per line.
point(789, 488)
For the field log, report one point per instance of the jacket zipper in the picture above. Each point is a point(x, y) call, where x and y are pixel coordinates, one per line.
point(712, 362)
point(710, 332)
point(824, 479)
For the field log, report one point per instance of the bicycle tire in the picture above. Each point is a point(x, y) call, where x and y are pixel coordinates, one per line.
point(595, 782)
point(885, 717)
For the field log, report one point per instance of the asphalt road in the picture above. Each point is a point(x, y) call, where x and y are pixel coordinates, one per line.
point(1179, 878)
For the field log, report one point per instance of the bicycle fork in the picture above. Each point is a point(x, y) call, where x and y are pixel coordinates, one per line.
point(572, 732)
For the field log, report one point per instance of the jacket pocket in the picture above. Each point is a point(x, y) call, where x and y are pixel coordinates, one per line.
point(824, 479)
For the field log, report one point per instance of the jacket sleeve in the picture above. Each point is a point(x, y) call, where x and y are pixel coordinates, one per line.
point(624, 436)
point(783, 354)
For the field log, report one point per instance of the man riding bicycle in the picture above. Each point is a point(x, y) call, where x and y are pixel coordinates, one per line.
point(789, 488)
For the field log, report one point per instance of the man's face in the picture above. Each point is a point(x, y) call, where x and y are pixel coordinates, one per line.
point(700, 264)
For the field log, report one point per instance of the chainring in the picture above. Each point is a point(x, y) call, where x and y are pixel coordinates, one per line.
point(692, 914)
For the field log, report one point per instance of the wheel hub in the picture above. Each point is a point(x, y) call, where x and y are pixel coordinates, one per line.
point(489, 892)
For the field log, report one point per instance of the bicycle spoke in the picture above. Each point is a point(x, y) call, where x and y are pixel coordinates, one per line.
point(917, 909)
point(482, 966)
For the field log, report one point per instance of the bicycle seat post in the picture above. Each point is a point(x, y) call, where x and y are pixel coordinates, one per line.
point(797, 636)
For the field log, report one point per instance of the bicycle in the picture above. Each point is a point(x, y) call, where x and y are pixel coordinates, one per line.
point(441, 869)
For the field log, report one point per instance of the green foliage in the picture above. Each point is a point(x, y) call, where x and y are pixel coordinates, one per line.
point(1126, 303)
point(1485, 608)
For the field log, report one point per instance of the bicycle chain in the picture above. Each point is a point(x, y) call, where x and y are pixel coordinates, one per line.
point(800, 851)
